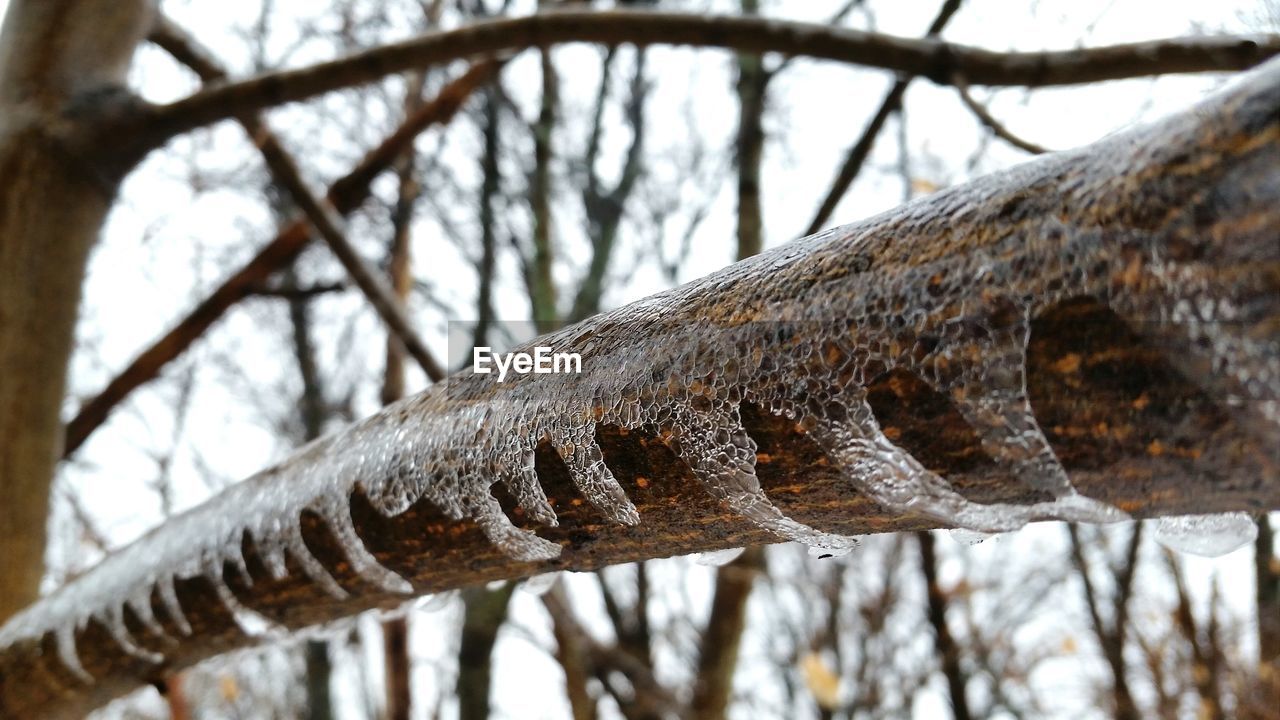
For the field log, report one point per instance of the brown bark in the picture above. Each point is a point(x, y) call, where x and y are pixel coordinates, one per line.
point(53, 56)
point(1129, 428)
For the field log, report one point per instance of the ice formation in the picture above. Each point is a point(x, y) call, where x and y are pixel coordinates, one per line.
point(1206, 535)
point(944, 289)
point(718, 558)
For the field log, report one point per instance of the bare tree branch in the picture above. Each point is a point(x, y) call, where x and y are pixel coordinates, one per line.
point(318, 212)
point(346, 194)
point(986, 118)
point(861, 149)
point(948, 651)
point(934, 59)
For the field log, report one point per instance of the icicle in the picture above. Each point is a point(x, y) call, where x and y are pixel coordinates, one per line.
point(717, 558)
point(273, 559)
point(115, 624)
point(250, 622)
point(578, 448)
point(362, 561)
point(538, 585)
point(46, 673)
point(824, 553)
point(895, 479)
point(1206, 535)
point(66, 641)
point(311, 567)
point(235, 555)
point(169, 598)
point(140, 604)
point(985, 377)
point(522, 545)
point(521, 480)
point(1247, 367)
point(723, 457)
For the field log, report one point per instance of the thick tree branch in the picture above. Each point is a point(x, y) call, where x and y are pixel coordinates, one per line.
point(629, 457)
point(928, 58)
point(346, 194)
point(53, 56)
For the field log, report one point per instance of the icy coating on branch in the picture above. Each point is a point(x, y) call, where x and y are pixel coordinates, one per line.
point(944, 288)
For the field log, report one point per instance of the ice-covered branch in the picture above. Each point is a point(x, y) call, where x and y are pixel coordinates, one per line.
point(1086, 337)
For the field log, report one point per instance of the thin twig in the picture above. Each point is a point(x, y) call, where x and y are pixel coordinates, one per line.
point(861, 150)
point(986, 118)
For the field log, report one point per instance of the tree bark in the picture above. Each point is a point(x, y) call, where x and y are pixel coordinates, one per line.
point(1134, 419)
point(62, 68)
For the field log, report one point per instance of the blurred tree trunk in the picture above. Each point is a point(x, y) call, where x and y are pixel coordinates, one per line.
point(944, 642)
point(395, 632)
point(488, 215)
point(314, 410)
point(605, 206)
point(542, 287)
point(52, 55)
point(1267, 574)
point(571, 652)
point(722, 638)
point(718, 652)
point(749, 150)
point(482, 618)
